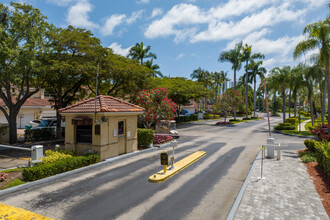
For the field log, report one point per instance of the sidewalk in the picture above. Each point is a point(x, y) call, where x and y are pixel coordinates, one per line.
point(302, 124)
point(284, 192)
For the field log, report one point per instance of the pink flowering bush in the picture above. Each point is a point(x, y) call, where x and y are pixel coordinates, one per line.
point(321, 131)
point(159, 139)
point(157, 106)
point(3, 176)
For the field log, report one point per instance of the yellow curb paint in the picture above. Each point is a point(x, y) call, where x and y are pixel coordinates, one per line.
point(24, 158)
point(180, 165)
point(10, 213)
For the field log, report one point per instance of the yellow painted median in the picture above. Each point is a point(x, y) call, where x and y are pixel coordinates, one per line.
point(11, 213)
point(180, 165)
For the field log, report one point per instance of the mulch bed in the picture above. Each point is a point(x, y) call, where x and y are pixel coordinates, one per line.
point(11, 176)
point(321, 182)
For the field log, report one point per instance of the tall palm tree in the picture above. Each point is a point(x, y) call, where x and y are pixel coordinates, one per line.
point(153, 67)
point(202, 76)
point(281, 76)
point(297, 83)
point(224, 79)
point(256, 70)
point(318, 37)
point(139, 52)
point(216, 80)
point(233, 56)
point(310, 75)
point(247, 57)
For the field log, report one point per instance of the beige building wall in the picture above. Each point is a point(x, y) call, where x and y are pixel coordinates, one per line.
point(107, 144)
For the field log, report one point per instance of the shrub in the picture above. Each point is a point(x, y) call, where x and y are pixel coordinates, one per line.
point(223, 123)
point(291, 121)
point(13, 183)
point(284, 124)
point(234, 120)
point(3, 176)
point(39, 134)
point(186, 118)
point(310, 145)
point(159, 139)
point(308, 157)
point(145, 137)
point(41, 171)
point(321, 131)
point(52, 156)
point(279, 127)
point(323, 155)
point(247, 119)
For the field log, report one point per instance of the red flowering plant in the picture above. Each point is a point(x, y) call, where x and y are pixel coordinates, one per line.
point(321, 131)
point(230, 100)
point(3, 176)
point(157, 106)
point(159, 139)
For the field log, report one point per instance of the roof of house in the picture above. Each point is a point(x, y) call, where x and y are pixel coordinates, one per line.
point(31, 102)
point(103, 104)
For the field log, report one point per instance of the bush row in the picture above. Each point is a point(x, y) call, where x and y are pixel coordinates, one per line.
point(291, 121)
point(281, 127)
point(39, 134)
point(145, 137)
point(186, 118)
point(323, 155)
point(60, 166)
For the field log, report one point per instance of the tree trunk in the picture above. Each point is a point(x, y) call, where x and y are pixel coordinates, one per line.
point(12, 128)
point(254, 98)
point(295, 107)
point(235, 90)
point(324, 97)
point(328, 87)
point(322, 104)
point(283, 108)
point(312, 112)
point(246, 95)
point(290, 103)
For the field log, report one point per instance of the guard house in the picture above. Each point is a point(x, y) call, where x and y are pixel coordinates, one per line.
point(110, 130)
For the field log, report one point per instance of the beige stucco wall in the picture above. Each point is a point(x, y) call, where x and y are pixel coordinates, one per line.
point(106, 144)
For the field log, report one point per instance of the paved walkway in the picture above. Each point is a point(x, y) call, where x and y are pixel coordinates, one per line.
point(302, 124)
point(284, 192)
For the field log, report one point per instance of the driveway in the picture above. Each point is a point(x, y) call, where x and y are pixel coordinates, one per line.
point(204, 190)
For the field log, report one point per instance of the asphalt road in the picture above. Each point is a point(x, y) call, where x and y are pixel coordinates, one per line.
point(204, 190)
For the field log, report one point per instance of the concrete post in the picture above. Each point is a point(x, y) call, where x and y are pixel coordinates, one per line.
point(270, 148)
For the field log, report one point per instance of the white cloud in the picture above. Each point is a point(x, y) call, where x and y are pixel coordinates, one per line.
point(143, 1)
point(156, 12)
point(135, 15)
point(179, 56)
point(111, 23)
point(118, 49)
point(78, 15)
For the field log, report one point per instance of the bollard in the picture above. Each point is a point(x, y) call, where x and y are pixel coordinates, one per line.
point(270, 147)
point(278, 151)
point(37, 152)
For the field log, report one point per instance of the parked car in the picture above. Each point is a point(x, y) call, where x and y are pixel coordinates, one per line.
point(35, 122)
point(52, 124)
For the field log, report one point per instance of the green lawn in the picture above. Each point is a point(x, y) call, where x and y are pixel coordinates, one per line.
point(316, 122)
point(296, 131)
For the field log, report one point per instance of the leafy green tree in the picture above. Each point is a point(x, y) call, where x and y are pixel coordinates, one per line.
point(234, 56)
point(157, 106)
point(318, 36)
point(72, 63)
point(230, 100)
point(140, 52)
point(255, 70)
point(24, 36)
point(121, 77)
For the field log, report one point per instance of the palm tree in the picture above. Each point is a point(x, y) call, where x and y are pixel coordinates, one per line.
point(216, 81)
point(256, 70)
point(247, 57)
point(297, 83)
point(224, 78)
point(139, 52)
point(202, 76)
point(153, 67)
point(233, 56)
point(318, 37)
point(281, 76)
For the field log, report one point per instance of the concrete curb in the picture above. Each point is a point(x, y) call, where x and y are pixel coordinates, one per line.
point(180, 165)
point(76, 171)
point(241, 192)
point(293, 135)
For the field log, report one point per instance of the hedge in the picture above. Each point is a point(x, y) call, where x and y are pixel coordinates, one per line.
point(323, 155)
point(279, 127)
point(310, 145)
point(291, 121)
point(186, 118)
point(60, 166)
point(39, 134)
point(231, 120)
point(145, 137)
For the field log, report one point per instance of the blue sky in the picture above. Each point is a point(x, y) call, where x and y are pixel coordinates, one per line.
point(189, 34)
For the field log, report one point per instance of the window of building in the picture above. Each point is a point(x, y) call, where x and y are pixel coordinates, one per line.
point(120, 127)
point(84, 133)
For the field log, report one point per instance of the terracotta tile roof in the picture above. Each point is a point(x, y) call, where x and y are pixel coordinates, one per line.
point(103, 104)
point(31, 102)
